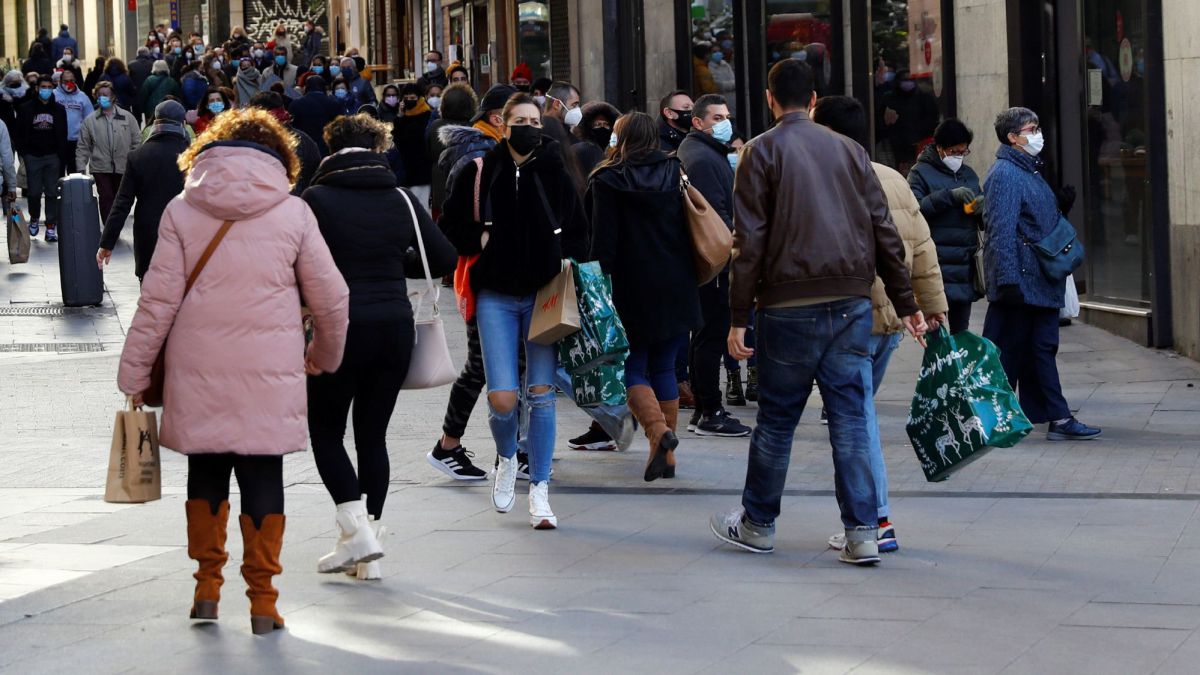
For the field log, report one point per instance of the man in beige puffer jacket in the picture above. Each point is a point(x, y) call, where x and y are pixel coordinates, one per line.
point(845, 115)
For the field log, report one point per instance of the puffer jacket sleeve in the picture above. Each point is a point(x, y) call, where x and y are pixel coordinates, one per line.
point(325, 292)
point(933, 201)
point(889, 247)
point(162, 294)
point(926, 273)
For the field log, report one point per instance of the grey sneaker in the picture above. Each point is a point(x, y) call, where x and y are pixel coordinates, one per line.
point(858, 552)
point(732, 527)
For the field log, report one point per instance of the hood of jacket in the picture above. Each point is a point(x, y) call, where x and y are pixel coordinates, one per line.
point(930, 156)
point(1019, 157)
point(17, 92)
point(356, 169)
point(64, 34)
point(455, 135)
point(236, 180)
point(655, 171)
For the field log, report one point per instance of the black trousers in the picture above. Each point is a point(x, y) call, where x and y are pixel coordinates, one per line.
point(958, 316)
point(708, 344)
point(1028, 340)
point(464, 394)
point(373, 369)
point(260, 478)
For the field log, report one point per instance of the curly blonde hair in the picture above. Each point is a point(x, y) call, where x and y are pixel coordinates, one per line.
point(358, 131)
point(247, 124)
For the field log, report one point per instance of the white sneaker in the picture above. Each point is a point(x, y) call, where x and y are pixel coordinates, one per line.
point(356, 543)
point(504, 484)
point(369, 571)
point(540, 515)
point(628, 429)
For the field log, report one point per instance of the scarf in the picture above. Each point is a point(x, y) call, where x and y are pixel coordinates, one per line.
point(489, 130)
point(421, 108)
point(248, 84)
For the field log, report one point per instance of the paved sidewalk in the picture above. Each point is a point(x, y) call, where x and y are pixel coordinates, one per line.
point(1045, 557)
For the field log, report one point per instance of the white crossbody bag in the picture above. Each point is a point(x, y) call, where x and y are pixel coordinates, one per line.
point(430, 365)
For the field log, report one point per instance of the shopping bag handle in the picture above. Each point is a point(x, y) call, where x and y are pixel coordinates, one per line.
point(432, 288)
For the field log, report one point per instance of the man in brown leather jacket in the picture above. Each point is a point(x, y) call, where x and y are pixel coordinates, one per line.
point(811, 230)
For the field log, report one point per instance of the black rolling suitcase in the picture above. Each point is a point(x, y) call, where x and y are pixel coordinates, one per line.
point(78, 240)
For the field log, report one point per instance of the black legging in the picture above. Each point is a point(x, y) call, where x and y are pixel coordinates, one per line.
point(464, 394)
point(374, 368)
point(958, 316)
point(260, 478)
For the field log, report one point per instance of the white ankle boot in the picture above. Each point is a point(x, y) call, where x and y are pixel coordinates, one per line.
point(356, 543)
point(540, 515)
point(369, 571)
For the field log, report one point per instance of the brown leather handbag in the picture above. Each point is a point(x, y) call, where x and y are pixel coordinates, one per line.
point(712, 242)
point(153, 396)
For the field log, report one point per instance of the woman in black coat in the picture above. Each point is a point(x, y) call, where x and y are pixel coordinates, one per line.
point(116, 72)
point(367, 223)
point(640, 236)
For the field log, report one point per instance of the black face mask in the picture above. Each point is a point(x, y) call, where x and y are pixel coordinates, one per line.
point(524, 139)
point(685, 118)
point(409, 105)
point(522, 87)
point(600, 136)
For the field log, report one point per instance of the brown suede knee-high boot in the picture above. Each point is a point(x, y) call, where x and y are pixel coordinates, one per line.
point(260, 562)
point(670, 411)
point(649, 413)
point(206, 545)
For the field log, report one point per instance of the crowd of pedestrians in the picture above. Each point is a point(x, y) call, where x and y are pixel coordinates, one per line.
point(267, 176)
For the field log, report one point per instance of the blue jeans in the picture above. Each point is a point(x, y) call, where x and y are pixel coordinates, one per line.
point(504, 324)
point(882, 347)
point(827, 343)
point(654, 366)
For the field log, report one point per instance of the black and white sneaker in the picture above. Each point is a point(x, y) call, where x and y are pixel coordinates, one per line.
point(722, 424)
point(694, 422)
point(593, 439)
point(455, 463)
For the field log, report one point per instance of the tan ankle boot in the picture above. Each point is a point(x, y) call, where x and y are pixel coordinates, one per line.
point(670, 411)
point(649, 413)
point(260, 562)
point(206, 545)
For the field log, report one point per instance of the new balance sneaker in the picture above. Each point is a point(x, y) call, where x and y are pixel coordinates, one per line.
point(1071, 430)
point(504, 484)
point(455, 463)
point(593, 439)
point(722, 424)
point(732, 527)
point(51, 233)
point(34, 227)
point(860, 553)
point(540, 515)
point(886, 539)
point(694, 422)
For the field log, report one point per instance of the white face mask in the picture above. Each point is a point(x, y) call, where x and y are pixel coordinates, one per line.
point(434, 101)
point(430, 66)
point(574, 116)
point(953, 163)
point(1035, 145)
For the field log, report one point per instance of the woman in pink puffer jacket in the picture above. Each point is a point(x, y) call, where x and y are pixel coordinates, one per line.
point(234, 395)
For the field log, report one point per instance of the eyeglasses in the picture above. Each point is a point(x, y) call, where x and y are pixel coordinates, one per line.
point(958, 153)
point(1032, 130)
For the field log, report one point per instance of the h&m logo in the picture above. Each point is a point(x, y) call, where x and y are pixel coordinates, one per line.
point(550, 303)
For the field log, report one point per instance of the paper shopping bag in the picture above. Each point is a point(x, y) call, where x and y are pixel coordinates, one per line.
point(556, 309)
point(134, 466)
point(18, 235)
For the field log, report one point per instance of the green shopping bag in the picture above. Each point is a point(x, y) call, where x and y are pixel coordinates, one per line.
point(601, 337)
point(963, 405)
point(602, 385)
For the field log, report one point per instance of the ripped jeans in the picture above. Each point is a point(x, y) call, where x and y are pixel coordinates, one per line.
point(503, 324)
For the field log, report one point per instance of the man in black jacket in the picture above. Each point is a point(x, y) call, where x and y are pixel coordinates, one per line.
point(41, 140)
point(312, 111)
point(152, 177)
point(675, 119)
point(704, 153)
point(306, 148)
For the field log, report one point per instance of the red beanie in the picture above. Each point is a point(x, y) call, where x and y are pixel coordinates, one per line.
point(522, 71)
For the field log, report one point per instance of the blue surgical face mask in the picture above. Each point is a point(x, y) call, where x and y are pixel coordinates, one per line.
point(104, 101)
point(280, 59)
point(45, 94)
point(340, 93)
point(177, 50)
point(335, 70)
point(216, 107)
point(317, 70)
point(732, 157)
point(612, 140)
point(717, 57)
point(723, 131)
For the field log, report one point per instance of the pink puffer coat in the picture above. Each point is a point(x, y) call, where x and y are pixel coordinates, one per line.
point(235, 377)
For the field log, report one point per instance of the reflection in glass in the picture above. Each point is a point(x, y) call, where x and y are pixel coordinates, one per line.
point(713, 45)
point(1118, 181)
point(909, 78)
point(802, 29)
point(533, 36)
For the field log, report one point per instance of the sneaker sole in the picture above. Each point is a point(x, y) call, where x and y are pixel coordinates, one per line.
point(435, 463)
point(592, 446)
point(544, 523)
point(718, 434)
point(741, 545)
point(861, 562)
point(888, 546)
point(1052, 436)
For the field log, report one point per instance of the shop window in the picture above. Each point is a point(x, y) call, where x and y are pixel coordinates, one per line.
point(910, 78)
point(713, 45)
point(533, 37)
point(803, 29)
point(1117, 152)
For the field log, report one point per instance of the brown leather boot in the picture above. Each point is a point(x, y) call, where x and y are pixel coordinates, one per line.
point(670, 411)
point(206, 545)
point(649, 413)
point(687, 400)
point(260, 562)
